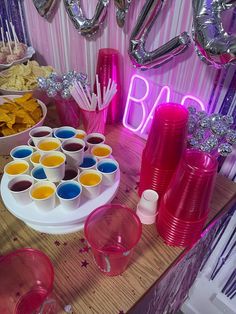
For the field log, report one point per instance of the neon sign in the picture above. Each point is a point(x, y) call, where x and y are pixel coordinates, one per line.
point(146, 117)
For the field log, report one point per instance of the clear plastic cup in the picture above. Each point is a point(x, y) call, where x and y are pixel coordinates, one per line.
point(26, 277)
point(113, 231)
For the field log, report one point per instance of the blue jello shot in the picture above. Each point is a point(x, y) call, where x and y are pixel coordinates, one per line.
point(108, 168)
point(38, 173)
point(22, 152)
point(89, 162)
point(69, 194)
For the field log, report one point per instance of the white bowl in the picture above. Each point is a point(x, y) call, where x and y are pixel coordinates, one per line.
point(28, 55)
point(21, 138)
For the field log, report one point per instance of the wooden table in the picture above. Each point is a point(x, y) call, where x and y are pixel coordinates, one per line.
point(78, 282)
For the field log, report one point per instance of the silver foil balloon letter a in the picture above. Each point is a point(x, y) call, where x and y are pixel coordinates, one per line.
point(149, 59)
point(86, 27)
point(213, 44)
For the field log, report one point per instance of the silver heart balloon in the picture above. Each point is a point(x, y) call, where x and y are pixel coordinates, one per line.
point(45, 7)
point(86, 27)
point(122, 7)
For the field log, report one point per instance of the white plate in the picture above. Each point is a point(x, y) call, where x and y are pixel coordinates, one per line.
point(57, 229)
point(59, 216)
point(29, 53)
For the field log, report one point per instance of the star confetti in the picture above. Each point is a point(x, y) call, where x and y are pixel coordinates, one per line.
point(84, 263)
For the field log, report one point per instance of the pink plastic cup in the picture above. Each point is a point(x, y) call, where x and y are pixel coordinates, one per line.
point(94, 121)
point(26, 277)
point(190, 190)
point(68, 112)
point(112, 232)
point(108, 67)
point(167, 139)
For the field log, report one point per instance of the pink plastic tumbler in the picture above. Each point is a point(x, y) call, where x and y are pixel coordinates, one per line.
point(109, 66)
point(184, 207)
point(94, 121)
point(68, 112)
point(26, 280)
point(112, 232)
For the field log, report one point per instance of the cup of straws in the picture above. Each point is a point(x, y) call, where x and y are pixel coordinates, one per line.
point(93, 107)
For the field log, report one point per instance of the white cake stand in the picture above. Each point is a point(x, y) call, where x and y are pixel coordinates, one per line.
point(59, 220)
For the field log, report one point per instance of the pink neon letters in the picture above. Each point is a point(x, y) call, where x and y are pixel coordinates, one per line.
point(147, 117)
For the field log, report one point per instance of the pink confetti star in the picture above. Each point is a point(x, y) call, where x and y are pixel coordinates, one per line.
point(86, 249)
point(84, 264)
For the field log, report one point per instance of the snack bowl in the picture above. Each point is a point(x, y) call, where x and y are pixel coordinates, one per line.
point(10, 141)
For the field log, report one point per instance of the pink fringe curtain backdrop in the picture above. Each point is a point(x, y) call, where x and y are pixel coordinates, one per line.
point(59, 44)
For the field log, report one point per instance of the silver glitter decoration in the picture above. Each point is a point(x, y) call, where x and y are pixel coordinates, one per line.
point(219, 128)
point(215, 117)
point(211, 133)
point(201, 114)
point(51, 93)
point(56, 83)
point(199, 134)
point(65, 94)
point(228, 120)
point(42, 82)
point(212, 141)
point(193, 142)
point(205, 147)
point(224, 149)
point(192, 110)
point(205, 122)
point(231, 137)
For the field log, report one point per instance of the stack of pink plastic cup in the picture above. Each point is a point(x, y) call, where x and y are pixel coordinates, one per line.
point(184, 207)
point(109, 67)
point(165, 146)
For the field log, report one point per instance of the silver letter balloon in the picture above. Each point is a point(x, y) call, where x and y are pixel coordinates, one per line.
point(122, 7)
point(86, 27)
point(213, 44)
point(151, 59)
point(44, 7)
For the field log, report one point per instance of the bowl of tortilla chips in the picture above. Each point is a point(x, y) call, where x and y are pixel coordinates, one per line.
point(19, 115)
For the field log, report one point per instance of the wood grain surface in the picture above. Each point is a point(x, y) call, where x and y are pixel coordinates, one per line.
point(78, 282)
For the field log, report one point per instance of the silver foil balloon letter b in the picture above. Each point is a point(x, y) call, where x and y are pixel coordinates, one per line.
point(86, 27)
point(149, 59)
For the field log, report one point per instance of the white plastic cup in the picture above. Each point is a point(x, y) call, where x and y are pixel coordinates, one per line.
point(69, 201)
point(75, 170)
point(85, 165)
point(16, 168)
point(58, 133)
point(48, 202)
point(45, 131)
point(147, 207)
point(37, 155)
point(21, 194)
point(91, 190)
point(54, 169)
point(81, 134)
point(101, 151)
point(56, 142)
point(73, 157)
point(34, 174)
point(108, 176)
point(15, 152)
point(30, 143)
point(94, 135)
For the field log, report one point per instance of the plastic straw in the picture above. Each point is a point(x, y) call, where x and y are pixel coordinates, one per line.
point(9, 44)
point(3, 38)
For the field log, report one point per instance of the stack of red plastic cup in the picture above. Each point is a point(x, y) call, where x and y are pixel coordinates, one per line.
point(184, 207)
point(165, 146)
